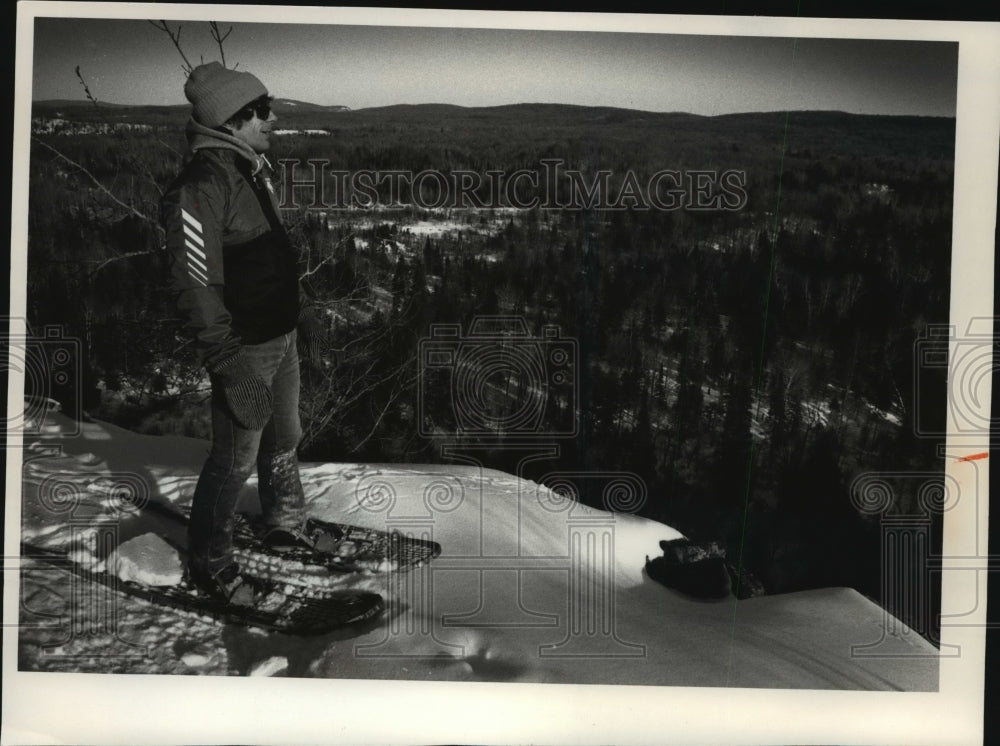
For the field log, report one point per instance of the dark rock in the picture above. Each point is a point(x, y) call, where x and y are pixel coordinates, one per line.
point(697, 570)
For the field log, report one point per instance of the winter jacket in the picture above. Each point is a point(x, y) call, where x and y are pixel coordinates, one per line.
point(232, 266)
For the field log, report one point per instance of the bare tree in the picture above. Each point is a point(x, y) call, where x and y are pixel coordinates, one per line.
point(356, 379)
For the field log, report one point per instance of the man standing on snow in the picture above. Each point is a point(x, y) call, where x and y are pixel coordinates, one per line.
point(233, 270)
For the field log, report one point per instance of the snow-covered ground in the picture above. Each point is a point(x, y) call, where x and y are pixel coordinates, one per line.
point(436, 228)
point(300, 132)
point(59, 126)
point(529, 588)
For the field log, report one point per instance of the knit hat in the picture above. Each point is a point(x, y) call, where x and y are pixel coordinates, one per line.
point(216, 92)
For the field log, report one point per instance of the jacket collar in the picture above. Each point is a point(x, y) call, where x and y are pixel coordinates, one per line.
point(201, 137)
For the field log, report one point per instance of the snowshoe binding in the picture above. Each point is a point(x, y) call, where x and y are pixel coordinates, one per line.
point(282, 540)
point(228, 585)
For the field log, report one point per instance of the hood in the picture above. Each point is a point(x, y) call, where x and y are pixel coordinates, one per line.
point(201, 137)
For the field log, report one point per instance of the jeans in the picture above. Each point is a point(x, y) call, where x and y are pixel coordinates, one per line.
point(235, 451)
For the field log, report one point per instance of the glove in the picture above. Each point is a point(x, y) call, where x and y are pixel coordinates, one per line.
point(313, 336)
point(247, 394)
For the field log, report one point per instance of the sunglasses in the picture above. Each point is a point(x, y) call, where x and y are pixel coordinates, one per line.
point(261, 107)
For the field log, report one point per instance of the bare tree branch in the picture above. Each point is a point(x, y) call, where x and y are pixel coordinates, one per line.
point(176, 39)
point(219, 38)
point(128, 208)
point(91, 97)
point(118, 258)
point(332, 404)
point(170, 148)
point(325, 259)
point(117, 131)
point(362, 378)
point(400, 390)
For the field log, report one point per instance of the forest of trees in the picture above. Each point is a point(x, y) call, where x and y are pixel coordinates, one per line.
point(745, 365)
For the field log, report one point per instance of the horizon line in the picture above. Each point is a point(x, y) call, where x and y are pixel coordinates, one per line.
point(497, 106)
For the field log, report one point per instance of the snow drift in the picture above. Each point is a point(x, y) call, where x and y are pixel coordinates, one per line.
point(530, 587)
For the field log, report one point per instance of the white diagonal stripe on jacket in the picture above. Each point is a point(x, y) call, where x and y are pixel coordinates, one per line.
point(197, 275)
point(194, 250)
point(190, 234)
point(191, 220)
point(196, 262)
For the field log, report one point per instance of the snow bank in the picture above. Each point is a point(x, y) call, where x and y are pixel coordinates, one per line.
point(530, 587)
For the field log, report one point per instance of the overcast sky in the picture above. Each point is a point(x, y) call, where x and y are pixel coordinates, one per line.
point(129, 61)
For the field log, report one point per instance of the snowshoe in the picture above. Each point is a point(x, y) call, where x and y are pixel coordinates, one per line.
point(275, 605)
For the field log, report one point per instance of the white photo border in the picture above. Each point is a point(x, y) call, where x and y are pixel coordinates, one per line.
point(106, 708)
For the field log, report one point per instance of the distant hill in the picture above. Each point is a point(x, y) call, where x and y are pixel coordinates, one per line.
point(71, 103)
point(74, 107)
point(526, 113)
point(533, 113)
point(447, 133)
point(290, 105)
point(304, 114)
